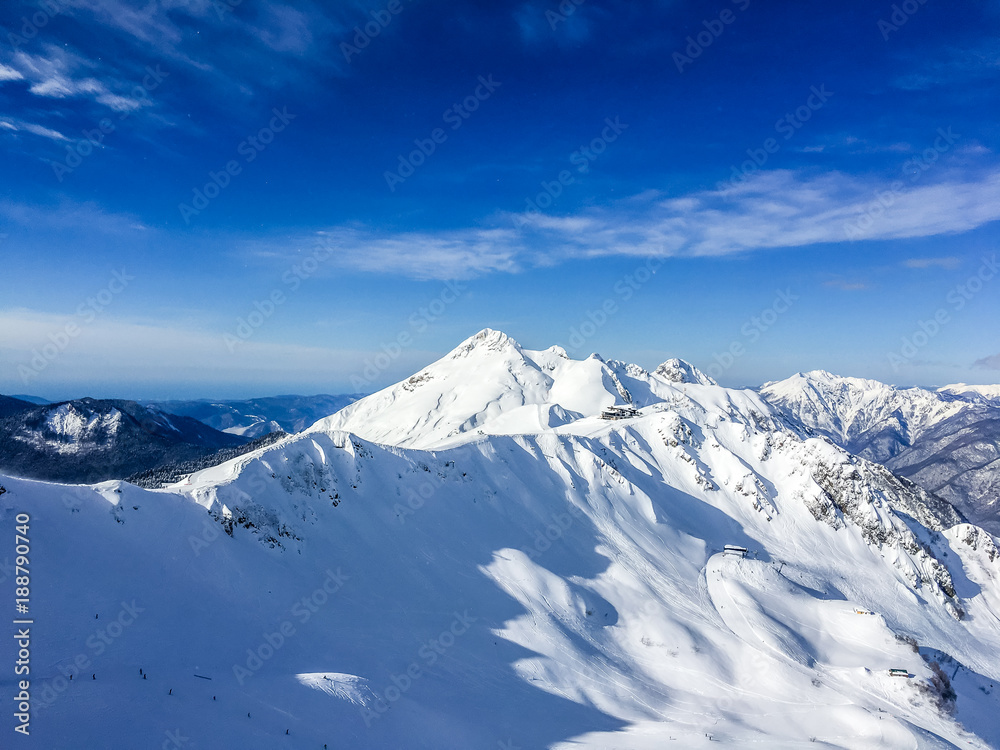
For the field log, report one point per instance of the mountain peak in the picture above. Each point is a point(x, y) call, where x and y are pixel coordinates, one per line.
point(821, 376)
point(490, 385)
point(826, 381)
point(677, 370)
point(486, 339)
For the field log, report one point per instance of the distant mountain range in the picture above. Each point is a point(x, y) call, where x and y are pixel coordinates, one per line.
point(259, 416)
point(31, 399)
point(90, 440)
point(946, 440)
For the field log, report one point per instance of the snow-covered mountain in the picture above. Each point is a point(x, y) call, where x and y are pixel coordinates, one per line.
point(947, 440)
point(987, 393)
point(865, 416)
point(506, 569)
point(254, 417)
point(89, 440)
point(490, 385)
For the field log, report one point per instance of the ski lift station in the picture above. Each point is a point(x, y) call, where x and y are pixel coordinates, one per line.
point(619, 412)
point(732, 549)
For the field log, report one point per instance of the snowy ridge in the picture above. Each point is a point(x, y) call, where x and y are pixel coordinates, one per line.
point(987, 393)
point(948, 440)
point(562, 586)
point(490, 385)
point(678, 371)
point(860, 413)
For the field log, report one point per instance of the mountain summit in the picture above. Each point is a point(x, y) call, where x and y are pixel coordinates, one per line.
point(490, 385)
point(678, 371)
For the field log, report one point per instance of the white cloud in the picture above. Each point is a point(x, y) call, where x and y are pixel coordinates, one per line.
point(44, 132)
point(287, 30)
point(455, 254)
point(30, 127)
point(776, 209)
point(773, 209)
point(71, 215)
point(54, 76)
point(121, 103)
point(9, 74)
point(989, 363)
point(952, 65)
point(57, 87)
point(292, 31)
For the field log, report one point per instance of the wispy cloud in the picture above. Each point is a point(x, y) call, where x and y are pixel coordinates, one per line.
point(9, 74)
point(71, 215)
point(30, 127)
point(777, 209)
point(551, 23)
point(287, 30)
point(921, 263)
point(60, 74)
point(846, 286)
point(771, 210)
point(852, 144)
point(456, 254)
point(174, 31)
point(950, 66)
point(988, 363)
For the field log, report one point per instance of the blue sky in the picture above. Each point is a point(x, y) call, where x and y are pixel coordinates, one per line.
point(230, 199)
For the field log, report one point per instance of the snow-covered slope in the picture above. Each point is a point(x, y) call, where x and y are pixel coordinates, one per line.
point(960, 461)
point(866, 416)
point(562, 586)
point(946, 440)
point(988, 393)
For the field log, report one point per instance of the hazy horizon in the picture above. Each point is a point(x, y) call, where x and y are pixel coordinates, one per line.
point(191, 392)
